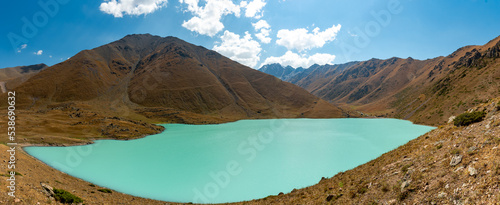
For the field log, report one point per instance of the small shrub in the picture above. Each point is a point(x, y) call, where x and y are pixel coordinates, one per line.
point(105, 191)
point(385, 188)
point(333, 197)
point(469, 118)
point(66, 197)
point(402, 195)
point(16, 173)
point(404, 169)
point(341, 184)
point(439, 146)
point(362, 190)
point(352, 194)
point(455, 152)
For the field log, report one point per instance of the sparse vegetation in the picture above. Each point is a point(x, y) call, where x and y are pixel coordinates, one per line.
point(105, 191)
point(362, 190)
point(385, 188)
point(469, 118)
point(404, 169)
point(66, 197)
point(402, 195)
point(16, 173)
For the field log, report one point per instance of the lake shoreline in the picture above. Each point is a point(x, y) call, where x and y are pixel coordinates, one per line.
point(293, 129)
point(92, 140)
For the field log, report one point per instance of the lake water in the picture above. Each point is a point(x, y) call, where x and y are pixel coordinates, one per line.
point(231, 162)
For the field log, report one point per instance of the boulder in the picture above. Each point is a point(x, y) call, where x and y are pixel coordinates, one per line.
point(404, 185)
point(455, 160)
point(48, 190)
point(472, 171)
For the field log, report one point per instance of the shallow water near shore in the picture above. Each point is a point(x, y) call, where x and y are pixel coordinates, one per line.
point(243, 160)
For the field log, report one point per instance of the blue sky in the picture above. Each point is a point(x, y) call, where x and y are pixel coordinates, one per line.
point(252, 32)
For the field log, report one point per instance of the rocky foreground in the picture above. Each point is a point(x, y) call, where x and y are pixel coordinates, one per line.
point(449, 165)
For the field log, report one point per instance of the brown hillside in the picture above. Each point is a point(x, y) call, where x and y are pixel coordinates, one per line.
point(14, 76)
point(424, 91)
point(112, 90)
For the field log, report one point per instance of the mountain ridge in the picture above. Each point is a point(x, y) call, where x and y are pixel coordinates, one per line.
point(411, 89)
point(150, 79)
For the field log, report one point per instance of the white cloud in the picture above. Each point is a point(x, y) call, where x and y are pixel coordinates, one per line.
point(22, 47)
point(295, 60)
point(261, 24)
point(300, 39)
point(264, 29)
point(131, 7)
point(38, 53)
point(244, 50)
point(254, 8)
point(206, 20)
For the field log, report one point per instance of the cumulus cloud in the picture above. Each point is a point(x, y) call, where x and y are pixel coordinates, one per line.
point(244, 49)
point(254, 8)
point(301, 39)
point(295, 60)
point(264, 29)
point(38, 53)
point(118, 8)
point(22, 47)
point(206, 20)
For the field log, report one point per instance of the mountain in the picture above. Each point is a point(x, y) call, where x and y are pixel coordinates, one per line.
point(424, 91)
point(145, 78)
point(283, 73)
point(294, 75)
point(14, 76)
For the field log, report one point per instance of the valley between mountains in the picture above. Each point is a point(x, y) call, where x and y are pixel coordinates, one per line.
point(122, 89)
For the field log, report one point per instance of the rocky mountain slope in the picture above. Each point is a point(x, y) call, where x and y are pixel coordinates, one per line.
point(116, 90)
point(283, 73)
point(424, 91)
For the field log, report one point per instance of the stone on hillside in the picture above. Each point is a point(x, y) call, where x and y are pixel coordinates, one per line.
point(404, 185)
point(450, 120)
point(472, 171)
point(455, 160)
point(442, 195)
point(48, 190)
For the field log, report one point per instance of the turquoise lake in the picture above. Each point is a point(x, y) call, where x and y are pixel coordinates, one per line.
point(243, 160)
